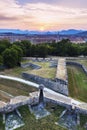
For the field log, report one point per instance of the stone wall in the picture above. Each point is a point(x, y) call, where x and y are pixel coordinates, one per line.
point(58, 103)
point(33, 66)
point(37, 59)
point(80, 110)
point(69, 107)
point(56, 86)
point(9, 107)
point(53, 64)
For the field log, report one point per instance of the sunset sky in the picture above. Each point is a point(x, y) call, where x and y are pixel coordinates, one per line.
point(43, 15)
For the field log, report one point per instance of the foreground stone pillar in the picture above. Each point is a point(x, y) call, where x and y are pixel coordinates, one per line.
point(41, 96)
point(39, 109)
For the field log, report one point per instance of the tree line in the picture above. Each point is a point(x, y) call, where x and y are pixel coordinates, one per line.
point(12, 53)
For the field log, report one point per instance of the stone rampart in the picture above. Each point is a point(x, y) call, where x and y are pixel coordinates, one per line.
point(53, 64)
point(63, 104)
point(32, 100)
point(9, 107)
point(33, 66)
point(56, 86)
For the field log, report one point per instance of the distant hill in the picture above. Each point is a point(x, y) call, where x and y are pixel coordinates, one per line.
point(62, 32)
point(15, 31)
point(70, 32)
point(82, 33)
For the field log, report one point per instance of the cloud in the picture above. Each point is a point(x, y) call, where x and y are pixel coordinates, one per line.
point(3, 18)
point(65, 3)
point(32, 14)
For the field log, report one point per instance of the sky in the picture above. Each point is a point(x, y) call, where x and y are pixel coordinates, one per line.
point(43, 15)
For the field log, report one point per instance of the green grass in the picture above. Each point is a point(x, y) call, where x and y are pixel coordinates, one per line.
point(46, 123)
point(84, 62)
point(77, 83)
point(2, 126)
point(15, 88)
point(45, 71)
point(17, 71)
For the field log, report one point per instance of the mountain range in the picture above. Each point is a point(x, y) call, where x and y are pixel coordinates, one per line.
point(62, 32)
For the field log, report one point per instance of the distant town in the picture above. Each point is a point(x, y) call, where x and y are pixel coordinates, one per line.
point(45, 37)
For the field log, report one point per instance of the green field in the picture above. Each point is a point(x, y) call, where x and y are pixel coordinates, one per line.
point(45, 71)
point(14, 88)
point(77, 83)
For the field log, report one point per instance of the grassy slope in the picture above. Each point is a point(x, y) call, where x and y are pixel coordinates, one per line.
point(77, 83)
point(14, 88)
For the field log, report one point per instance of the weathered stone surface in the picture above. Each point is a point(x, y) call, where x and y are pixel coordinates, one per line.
point(53, 64)
point(33, 66)
point(56, 86)
point(11, 106)
point(69, 103)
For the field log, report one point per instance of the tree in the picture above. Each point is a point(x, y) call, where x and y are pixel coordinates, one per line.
point(26, 46)
point(19, 53)
point(10, 57)
point(41, 51)
point(33, 50)
point(85, 51)
point(1, 60)
point(3, 45)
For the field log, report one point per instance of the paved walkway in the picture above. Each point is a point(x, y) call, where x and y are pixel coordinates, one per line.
point(61, 69)
point(63, 100)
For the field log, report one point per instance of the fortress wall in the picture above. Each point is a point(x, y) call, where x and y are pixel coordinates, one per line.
point(9, 107)
point(56, 86)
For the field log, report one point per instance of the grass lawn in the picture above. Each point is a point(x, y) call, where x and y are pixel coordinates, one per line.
point(46, 123)
point(84, 62)
point(77, 83)
point(45, 71)
point(14, 88)
point(15, 71)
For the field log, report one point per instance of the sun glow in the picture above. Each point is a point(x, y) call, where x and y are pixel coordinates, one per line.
point(42, 28)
